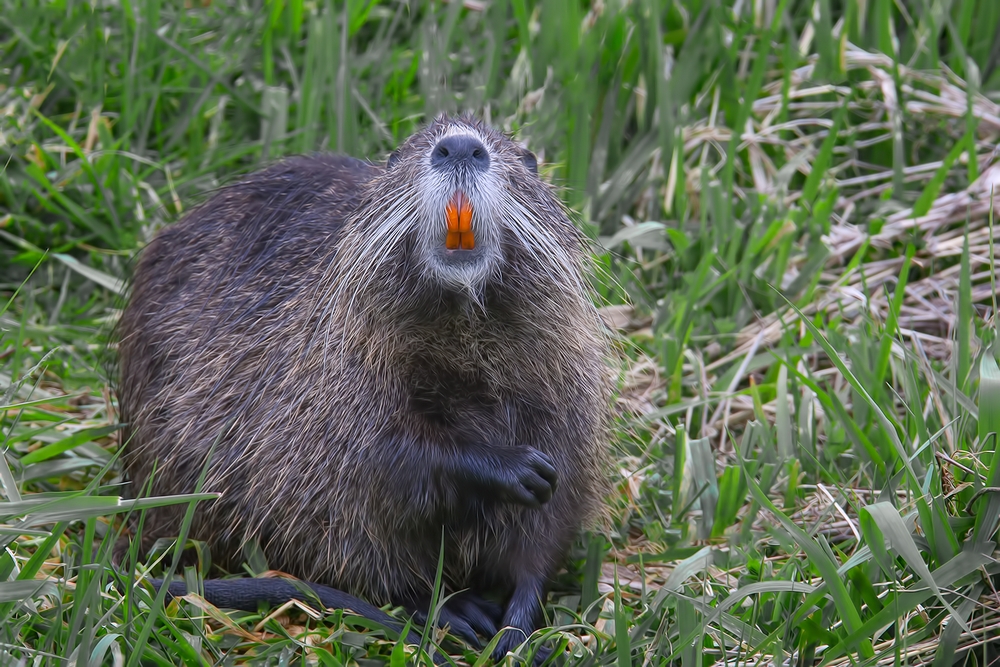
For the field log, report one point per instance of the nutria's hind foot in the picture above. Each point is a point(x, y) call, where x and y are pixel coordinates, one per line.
point(484, 616)
point(521, 618)
point(466, 615)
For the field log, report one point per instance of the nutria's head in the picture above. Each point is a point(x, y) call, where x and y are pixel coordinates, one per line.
point(458, 207)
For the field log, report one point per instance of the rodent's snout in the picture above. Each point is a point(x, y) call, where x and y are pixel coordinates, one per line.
point(460, 150)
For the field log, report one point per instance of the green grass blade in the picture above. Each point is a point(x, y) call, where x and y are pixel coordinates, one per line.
point(783, 419)
point(818, 170)
point(882, 522)
point(892, 317)
point(819, 559)
point(887, 426)
point(15, 591)
point(945, 655)
point(965, 326)
point(933, 187)
point(988, 512)
point(622, 643)
point(65, 444)
point(964, 565)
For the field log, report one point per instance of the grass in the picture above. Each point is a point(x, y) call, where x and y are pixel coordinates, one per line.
point(792, 205)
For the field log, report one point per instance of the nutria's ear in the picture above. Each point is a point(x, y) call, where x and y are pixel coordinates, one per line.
point(393, 160)
point(529, 160)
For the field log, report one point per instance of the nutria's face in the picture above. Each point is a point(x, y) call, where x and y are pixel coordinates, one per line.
point(469, 199)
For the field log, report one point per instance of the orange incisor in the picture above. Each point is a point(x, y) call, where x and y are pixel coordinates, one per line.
point(459, 215)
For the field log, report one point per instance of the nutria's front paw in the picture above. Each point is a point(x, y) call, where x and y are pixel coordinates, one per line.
point(533, 477)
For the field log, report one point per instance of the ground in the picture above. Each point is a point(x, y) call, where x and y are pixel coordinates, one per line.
point(809, 392)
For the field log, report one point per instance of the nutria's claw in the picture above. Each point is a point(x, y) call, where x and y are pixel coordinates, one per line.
point(466, 615)
point(459, 627)
point(484, 616)
point(536, 478)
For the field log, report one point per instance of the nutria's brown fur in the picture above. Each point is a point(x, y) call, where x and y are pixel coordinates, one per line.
point(363, 387)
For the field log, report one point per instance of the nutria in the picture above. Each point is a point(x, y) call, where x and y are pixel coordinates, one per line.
point(380, 355)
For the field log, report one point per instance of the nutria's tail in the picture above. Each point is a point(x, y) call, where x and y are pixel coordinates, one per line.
point(245, 594)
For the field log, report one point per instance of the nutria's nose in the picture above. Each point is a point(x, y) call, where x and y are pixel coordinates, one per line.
point(460, 149)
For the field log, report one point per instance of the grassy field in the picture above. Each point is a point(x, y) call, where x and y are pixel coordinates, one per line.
point(791, 203)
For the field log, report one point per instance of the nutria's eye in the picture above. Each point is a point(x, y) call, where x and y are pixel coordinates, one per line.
point(393, 160)
point(530, 161)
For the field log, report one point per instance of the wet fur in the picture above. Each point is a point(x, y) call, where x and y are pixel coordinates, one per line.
point(295, 321)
